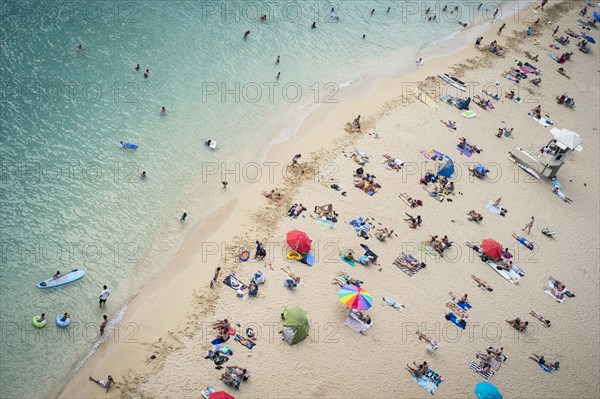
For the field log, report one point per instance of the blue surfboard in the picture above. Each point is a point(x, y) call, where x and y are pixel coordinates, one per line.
point(130, 146)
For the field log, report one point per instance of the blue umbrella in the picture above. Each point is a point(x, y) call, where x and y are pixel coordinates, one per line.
point(485, 390)
point(447, 167)
point(589, 39)
point(596, 16)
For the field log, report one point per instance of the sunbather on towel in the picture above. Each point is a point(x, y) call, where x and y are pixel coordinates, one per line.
point(291, 275)
point(561, 195)
point(557, 284)
point(362, 316)
point(349, 279)
point(544, 362)
point(524, 241)
point(485, 364)
point(348, 256)
point(456, 309)
point(556, 293)
point(541, 318)
point(419, 370)
point(408, 262)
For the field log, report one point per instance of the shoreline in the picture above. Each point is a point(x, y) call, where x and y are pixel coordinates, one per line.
point(172, 287)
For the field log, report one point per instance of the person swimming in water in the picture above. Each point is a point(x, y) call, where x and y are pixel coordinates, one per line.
point(137, 67)
point(146, 74)
point(278, 75)
point(313, 26)
point(277, 61)
point(163, 111)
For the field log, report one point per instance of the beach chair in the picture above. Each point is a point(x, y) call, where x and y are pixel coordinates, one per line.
point(206, 393)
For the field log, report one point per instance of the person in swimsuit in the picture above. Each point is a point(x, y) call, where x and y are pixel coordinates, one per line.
point(481, 283)
point(57, 275)
point(426, 338)
point(541, 318)
point(215, 278)
point(524, 241)
point(474, 215)
point(544, 362)
point(291, 275)
point(104, 383)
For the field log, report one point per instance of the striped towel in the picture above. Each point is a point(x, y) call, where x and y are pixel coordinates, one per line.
point(474, 365)
point(495, 364)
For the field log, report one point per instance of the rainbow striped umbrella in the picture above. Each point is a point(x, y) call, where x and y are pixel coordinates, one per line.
point(355, 297)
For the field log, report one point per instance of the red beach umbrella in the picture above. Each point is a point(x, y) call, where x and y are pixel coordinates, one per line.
point(298, 241)
point(220, 395)
point(492, 248)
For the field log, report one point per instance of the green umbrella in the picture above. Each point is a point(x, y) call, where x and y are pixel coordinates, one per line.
point(296, 326)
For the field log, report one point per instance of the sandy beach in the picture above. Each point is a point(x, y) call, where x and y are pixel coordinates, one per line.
point(171, 316)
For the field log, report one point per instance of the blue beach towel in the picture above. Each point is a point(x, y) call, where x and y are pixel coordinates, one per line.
point(348, 261)
point(465, 306)
point(456, 321)
point(430, 381)
point(465, 151)
point(546, 369)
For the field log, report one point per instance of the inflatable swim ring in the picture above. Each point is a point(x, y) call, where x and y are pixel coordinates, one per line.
point(244, 256)
point(294, 255)
point(62, 324)
point(37, 324)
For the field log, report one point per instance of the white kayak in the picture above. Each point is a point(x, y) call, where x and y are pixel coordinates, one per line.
point(67, 278)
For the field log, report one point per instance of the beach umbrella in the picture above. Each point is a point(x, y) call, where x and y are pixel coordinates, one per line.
point(447, 167)
point(485, 390)
point(298, 241)
point(589, 39)
point(355, 297)
point(596, 16)
point(220, 395)
point(295, 325)
point(492, 248)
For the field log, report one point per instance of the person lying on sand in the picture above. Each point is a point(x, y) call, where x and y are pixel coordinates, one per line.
point(561, 70)
point(481, 283)
point(362, 316)
point(412, 221)
point(419, 370)
point(495, 352)
point(510, 94)
point(561, 195)
point(291, 275)
point(474, 215)
point(464, 298)
point(449, 124)
point(556, 293)
point(536, 81)
point(426, 338)
point(348, 256)
point(272, 195)
point(541, 318)
point(382, 234)
point(544, 362)
point(356, 122)
point(518, 325)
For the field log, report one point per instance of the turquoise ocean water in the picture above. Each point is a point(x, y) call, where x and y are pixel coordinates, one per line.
point(72, 198)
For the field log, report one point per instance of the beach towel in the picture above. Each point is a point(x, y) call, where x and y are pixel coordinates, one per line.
point(546, 369)
point(406, 270)
point(512, 276)
point(393, 303)
point(356, 324)
point(490, 207)
point(348, 261)
point(452, 317)
point(427, 250)
point(469, 114)
point(495, 364)
point(234, 283)
point(541, 121)
point(219, 340)
point(432, 154)
point(466, 151)
point(324, 222)
point(430, 381)
point(463, 305)
point(449, 100)
point(474, 365)
point(246, 342)
point(224, 349)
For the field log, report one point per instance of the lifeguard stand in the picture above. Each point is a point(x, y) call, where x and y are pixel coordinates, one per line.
point(548, 160)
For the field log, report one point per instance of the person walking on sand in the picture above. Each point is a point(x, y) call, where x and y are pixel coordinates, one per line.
point(104, 296)
point(103, 324)
point(224, 183)
point(104, 383)
point(246, 34)
point(500, 30)
point(296, 159)
point(183, 217)
point(215, 277)
point(543, 4)
point(555, 30)
point(478, 42)
point(529, 225)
